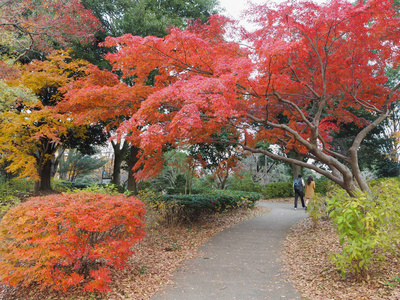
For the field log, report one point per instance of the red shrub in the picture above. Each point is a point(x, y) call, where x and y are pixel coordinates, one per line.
point(59, 241)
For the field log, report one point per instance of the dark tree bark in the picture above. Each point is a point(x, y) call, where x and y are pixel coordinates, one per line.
point(44, 158)
point(44, 184)
point(55, 163)
point(119, 154)
point(133, 159)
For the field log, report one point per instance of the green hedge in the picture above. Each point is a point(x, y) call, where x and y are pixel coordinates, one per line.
point(245, 184)
point(285, 189)
point(213, 201)
point(278, 190)
point(377, 181)
point(323, 186)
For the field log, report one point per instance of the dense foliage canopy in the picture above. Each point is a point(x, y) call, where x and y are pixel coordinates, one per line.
point(306, 67)
point(28, 24)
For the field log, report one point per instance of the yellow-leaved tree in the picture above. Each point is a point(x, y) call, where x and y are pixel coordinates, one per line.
point(31, 130)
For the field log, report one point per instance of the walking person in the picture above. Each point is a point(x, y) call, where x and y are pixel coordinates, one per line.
point(310, 188)
point(298, 185)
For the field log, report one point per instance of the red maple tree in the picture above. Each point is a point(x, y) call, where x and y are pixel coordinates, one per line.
point(100, 96)
point(299, 77)
point(28, 24)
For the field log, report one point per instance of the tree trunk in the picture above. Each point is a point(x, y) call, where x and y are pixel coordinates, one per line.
point(131, 163)
point(43, 184)
point(119, 154)
point(190, 182)
point(264, 179)
point(223, 178)
point(56, 162)
point(62, 172)
point(296, 169)
point(223, 182)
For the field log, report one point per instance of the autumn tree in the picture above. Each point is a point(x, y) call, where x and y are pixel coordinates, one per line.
point(306, 67)
point(109, 101)
point(26, 25)
point(32, 131)
point(101, 97)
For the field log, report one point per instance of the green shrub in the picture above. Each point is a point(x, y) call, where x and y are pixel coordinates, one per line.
point(7, 202)
point(143, 185)
point(174, 190)
point(245, 184)
point(21, 188)
point(63, 186)
point(322, 187)
point(317, 209)
point(285, 189)
point(377, 181)
point(158, 211)
point(12, 192)
point(192, 206)
point(108, 189)
point(279, 190)
point(21, 185)
point(366, 223)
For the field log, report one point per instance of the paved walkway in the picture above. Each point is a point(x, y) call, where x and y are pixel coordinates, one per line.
point(240, 263)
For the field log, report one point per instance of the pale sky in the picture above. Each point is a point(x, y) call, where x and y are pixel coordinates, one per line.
point(233, 8)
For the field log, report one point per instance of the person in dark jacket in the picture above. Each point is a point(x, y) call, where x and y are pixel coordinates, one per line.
point(298, 186)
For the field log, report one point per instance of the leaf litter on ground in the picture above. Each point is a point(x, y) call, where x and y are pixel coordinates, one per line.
point(156, 257)
point(305, 256)
point(312, 272)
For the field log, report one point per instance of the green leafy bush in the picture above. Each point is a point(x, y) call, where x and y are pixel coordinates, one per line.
point(318, 209)
point(59, 241)
point(366, 223)
point(322, 187)
point(7, 202)
point(19, 185)
point(21, 188)
point(159, 212)
point(383, 179)
point(285, 189)
point(108, 189)
point(279, 190)
point(245, 183)
point(12, 192)
point(63, 186)
point(192, 206)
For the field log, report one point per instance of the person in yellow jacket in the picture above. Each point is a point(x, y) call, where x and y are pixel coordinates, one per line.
point(310, 188)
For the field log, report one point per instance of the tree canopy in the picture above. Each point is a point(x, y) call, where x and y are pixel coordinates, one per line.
point(148, 17)
point(31, 128)
point(303, 71)
point(28, 24)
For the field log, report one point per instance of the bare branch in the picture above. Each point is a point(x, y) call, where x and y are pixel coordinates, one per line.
point(284, 127)
point(307, 85)
point(333, 153)
point(179, 63)
point(302, 116)
point(294, 161)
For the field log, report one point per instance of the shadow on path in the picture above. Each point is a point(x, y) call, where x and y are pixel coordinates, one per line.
point(243, 262)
